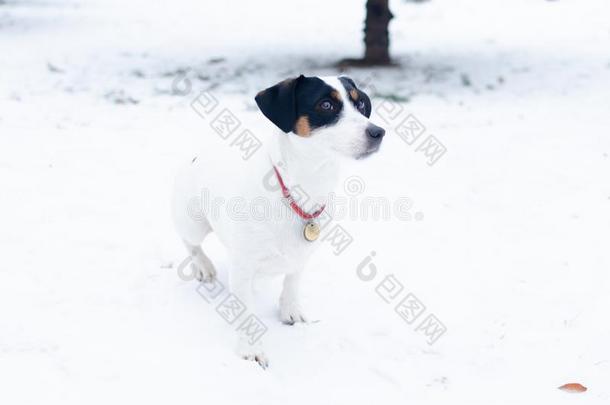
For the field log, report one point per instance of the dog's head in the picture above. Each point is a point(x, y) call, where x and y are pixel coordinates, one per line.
point(332, 112)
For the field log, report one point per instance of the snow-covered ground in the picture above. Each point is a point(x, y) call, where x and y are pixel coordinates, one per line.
point(507, 243)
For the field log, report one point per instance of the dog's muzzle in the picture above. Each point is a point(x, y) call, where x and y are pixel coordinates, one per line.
point(374, 135)
point(375, 132)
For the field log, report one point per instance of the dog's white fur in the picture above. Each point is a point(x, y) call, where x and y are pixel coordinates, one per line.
point(276, 244)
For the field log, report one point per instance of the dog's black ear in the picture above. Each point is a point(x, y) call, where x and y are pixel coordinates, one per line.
point(278, 103)
point(347, 80)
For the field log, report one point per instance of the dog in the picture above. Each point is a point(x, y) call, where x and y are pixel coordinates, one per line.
point(321, 120)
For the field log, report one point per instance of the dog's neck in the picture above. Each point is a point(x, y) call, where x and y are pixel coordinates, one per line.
point(301, 164)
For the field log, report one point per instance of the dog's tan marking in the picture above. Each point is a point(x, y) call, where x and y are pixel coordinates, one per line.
point(302, 127)
point(335, 94)
point(353, 94)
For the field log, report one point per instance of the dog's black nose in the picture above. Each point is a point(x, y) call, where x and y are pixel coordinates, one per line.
point(374, 131)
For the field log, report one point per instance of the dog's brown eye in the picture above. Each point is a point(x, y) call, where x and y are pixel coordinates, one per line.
point(326, 105)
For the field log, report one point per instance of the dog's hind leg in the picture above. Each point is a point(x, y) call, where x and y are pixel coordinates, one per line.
point(201, 265)
point(189, 215)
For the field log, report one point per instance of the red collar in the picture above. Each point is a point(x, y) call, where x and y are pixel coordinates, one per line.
point(295, 207)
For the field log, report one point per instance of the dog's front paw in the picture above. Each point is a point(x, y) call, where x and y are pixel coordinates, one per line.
point(252, 352)
point(290, 313)
point(260, 358)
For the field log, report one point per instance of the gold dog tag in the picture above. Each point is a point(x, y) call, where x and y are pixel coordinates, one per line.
point(311, 231)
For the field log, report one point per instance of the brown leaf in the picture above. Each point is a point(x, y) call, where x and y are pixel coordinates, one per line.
point(573, 387)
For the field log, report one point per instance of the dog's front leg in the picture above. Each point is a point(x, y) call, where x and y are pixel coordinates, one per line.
point(290, 300)
point(241, 287)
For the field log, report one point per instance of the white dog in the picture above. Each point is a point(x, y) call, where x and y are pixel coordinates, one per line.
point(321, 119)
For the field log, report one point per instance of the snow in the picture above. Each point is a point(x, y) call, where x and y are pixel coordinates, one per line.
point(511, 254)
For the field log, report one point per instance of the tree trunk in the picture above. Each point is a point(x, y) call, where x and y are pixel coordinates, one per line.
point(376, 37)
point(376, 34)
